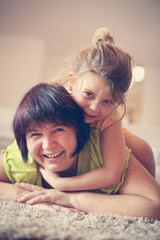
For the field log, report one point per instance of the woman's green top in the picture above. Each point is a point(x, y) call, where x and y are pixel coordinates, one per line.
point(89, 158)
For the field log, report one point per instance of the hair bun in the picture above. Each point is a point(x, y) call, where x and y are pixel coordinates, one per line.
point(102, 34)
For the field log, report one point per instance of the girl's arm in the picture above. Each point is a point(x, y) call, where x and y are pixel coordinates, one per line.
point(114, 157)
point(114, 151)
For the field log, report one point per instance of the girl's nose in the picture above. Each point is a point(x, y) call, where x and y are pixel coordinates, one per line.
point(95, 106)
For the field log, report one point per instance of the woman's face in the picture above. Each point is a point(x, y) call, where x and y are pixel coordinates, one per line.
point(52, 146)
point(93, 96)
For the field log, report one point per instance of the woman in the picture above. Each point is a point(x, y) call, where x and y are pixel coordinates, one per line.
point(49, 124)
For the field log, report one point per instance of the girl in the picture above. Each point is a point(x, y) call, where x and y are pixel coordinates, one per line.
point(98, 82)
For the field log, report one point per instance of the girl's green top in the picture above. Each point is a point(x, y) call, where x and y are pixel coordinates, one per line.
point(89, 158)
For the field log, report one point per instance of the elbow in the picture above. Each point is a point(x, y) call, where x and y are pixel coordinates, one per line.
point(114, 180)
point(157, 211)
point(154, 211)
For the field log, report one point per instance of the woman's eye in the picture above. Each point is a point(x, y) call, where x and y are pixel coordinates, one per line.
point(59, 130)
point(35, 134)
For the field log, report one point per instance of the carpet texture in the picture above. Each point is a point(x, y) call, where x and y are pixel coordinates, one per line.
point(21, 221)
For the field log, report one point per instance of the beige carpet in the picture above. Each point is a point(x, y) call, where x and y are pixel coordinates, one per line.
point(20, 221)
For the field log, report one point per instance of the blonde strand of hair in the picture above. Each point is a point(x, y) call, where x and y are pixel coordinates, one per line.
point(102, 34)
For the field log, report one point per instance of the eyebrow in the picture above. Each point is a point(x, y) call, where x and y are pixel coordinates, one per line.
point(36, 130)
point(31, 130)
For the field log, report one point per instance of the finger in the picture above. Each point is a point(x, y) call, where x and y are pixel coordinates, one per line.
point(28, 196)
point(46, 206)
point(41, 169)
point(28, 187)
point(39, 199)
point(73, 210)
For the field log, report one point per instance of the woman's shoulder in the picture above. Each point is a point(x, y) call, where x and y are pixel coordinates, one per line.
point(16, 169)
point(13, 152)
point(90, 156)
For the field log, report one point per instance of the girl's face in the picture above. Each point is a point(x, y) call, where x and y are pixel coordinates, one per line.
point(93, 95)
point(52, 146)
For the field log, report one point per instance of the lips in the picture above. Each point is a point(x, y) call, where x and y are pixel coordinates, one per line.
point(55, 155)
point(89, 117)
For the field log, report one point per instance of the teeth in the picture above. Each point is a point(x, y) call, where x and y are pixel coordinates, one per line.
point(53, 155)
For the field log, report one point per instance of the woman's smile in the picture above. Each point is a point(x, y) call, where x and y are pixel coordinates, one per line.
point(55, 155)
point(53, 158)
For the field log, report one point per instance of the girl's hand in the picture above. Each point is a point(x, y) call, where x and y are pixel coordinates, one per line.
point(47, 197)
point(49, 176)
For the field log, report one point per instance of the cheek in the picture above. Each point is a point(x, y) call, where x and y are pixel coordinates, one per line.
point(33, 149)
point(71, 143)
point(73, 147)
point(106, 111)
point(29, 146)
point(80, 100)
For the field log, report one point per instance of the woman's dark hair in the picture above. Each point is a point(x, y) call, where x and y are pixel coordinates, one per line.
point(46, 103)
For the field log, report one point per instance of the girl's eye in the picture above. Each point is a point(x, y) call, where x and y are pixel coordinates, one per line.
point(88, 94)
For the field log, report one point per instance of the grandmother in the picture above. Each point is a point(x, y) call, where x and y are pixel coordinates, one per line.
point(51, 137)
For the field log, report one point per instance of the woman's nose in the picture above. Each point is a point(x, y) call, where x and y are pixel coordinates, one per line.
point(48, 143)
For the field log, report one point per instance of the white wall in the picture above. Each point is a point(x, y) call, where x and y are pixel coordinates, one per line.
point(21, 65)
point(151, 98)
point(36, 36)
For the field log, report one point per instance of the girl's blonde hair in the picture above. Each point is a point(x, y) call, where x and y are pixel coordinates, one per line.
point(107, 61)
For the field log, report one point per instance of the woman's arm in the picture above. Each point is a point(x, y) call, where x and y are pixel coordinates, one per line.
point(139, 196)
point(3, 175)
point(8, 191)
point(114, 157)
point(124, 205)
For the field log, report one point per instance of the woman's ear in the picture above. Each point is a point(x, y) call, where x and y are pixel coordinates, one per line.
point(71, 81)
